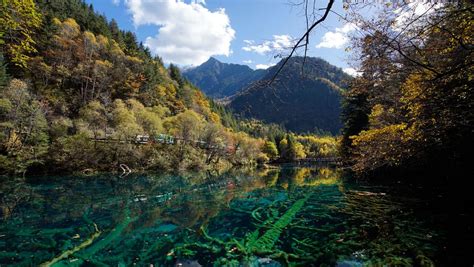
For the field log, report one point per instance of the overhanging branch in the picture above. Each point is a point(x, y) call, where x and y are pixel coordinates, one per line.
point(303, 38)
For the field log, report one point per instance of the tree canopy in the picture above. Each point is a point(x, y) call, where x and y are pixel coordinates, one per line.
point(412, 105)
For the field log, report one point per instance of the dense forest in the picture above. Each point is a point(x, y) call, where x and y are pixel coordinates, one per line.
point(79, 94)
point(411, 109)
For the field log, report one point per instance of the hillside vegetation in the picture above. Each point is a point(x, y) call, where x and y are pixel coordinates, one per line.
point(412, 107)
point(302, 99)
point(80, 95)
point(69, 81)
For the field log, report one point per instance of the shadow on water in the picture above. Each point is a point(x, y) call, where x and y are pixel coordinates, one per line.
point(273, 217)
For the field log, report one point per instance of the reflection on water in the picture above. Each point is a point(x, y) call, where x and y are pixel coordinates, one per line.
point(274, 217)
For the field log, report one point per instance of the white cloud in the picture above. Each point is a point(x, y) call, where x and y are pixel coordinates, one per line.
point(412, 12)
point(247, 61)
point(338, 38)
point(188, 34)
point(116, 2)
point(263, 66)
point(351, 71)
point(279, 43)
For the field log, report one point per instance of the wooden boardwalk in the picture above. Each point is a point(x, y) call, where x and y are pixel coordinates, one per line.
point(162, 139)
point(318, 160)
point(172, 140)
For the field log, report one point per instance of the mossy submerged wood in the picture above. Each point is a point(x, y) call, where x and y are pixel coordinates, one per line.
point(237, 218)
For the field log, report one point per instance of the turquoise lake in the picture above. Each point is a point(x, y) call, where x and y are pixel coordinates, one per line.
point(276, 217)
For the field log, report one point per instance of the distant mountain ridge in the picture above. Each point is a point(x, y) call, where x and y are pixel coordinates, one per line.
point(308, 102)
point(218, 80)
point(302, 98)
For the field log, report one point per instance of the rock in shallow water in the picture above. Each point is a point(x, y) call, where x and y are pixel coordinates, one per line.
point(166, 228)
point(187, 263)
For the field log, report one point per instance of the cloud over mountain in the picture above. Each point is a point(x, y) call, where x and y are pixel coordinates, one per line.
point(279, 43)
point(188, 33)
point(338, 38)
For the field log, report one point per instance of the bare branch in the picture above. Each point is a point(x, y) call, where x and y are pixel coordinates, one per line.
point(307, 37)
point(304, 37)
point(425, 66)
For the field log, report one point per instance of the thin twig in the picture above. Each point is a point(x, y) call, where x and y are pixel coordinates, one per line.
point(304, 37)
point(307, 37)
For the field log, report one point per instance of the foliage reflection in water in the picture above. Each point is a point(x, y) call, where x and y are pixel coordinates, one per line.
point(275, 217)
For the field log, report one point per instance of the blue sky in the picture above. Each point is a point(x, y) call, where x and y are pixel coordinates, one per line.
point(251, 32)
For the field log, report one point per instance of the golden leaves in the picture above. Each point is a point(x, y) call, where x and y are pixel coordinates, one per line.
point(18, 21)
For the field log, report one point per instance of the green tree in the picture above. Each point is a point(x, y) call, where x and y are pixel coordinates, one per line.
point(355, 115)
point(23, 129)
point(175, 74)
point(270, 149)
point(95, 117)
point(291, 149)
point(117, 34)
point(410, 108)
point(125, 122)
point(19, 19)
point(150, 118)
point(187, 126)
point(247, 149)
point(3, 73)
point(214, 136)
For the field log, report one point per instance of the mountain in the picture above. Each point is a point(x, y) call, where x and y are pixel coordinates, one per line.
point(302, 103)
point(218, 80)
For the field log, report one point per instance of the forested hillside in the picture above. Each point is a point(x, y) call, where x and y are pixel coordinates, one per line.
point(219, 80)
point(69, 78)
point(302, 98)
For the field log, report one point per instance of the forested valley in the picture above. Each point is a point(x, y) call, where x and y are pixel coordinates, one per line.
point(70, 78)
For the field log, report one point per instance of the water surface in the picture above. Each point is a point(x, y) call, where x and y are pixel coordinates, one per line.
point(277, 217)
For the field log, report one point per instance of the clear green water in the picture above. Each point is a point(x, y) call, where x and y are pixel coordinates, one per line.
point(289, 216)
